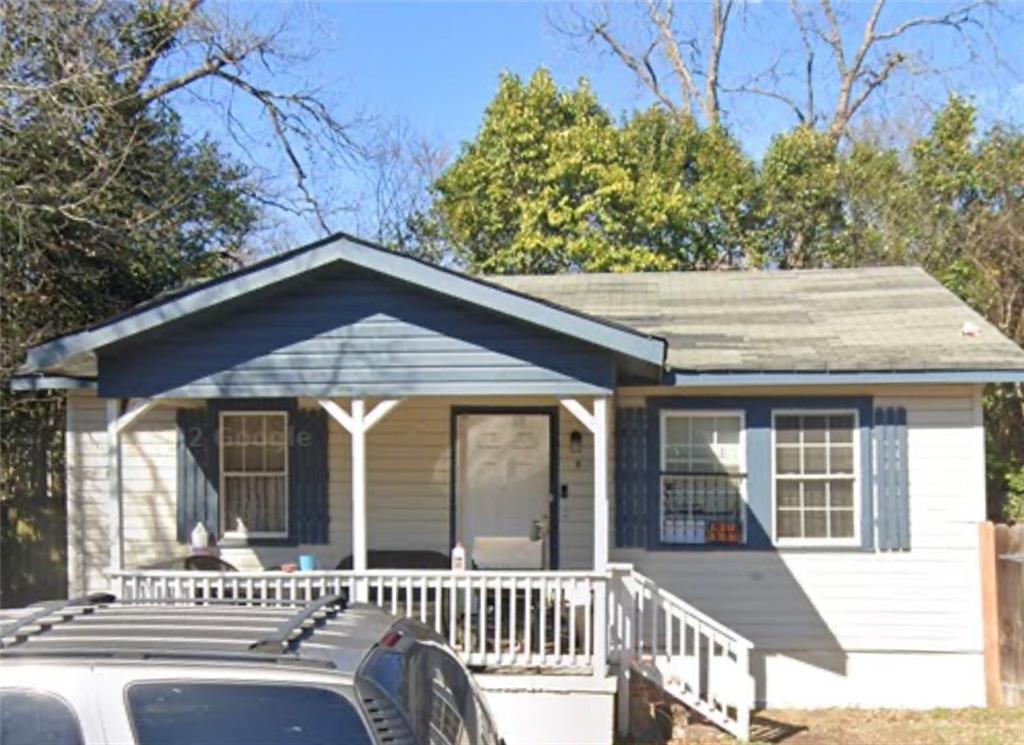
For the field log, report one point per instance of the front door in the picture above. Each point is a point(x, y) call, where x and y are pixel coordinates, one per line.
point(503, 469)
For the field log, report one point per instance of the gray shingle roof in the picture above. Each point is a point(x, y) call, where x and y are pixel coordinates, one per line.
point(871, 319)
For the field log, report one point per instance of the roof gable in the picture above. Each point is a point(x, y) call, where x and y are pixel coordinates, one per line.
point(347, 331)
point(345, 249)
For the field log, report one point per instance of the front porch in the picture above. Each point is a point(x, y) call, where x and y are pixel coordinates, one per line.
point(606, 625)
point(577, 615)
point(389, 476)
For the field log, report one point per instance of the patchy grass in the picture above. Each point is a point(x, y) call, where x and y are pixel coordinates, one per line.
point(875, 727)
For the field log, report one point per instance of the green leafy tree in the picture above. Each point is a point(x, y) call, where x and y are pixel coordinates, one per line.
point(106, 203)
point(801, 202)
point(953, 204)
point(969, 228)
point(551, 183)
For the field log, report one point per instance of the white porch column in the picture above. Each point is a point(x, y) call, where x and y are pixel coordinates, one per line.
point(597, 423)
point(357, 424)
point(601, 484)
point(358, 434)
point(116, 530)
point(118, 420)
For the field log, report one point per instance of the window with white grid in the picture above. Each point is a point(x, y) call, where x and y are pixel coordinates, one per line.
point(254, 473)
point(815, 477)
point(703, 483)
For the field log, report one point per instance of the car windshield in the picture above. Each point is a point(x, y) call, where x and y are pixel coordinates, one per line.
point(180, 713)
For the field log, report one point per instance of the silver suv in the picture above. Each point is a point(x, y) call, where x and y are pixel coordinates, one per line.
point(206, 672)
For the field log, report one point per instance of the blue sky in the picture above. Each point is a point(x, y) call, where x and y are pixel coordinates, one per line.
point(435, 66)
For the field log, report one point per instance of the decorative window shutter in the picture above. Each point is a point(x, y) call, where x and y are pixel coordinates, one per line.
point(891, 477)
point(631, 477)
point(198, 461)
point(308, 514)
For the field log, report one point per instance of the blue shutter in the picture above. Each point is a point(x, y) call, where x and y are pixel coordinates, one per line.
point(308, 515)
point(631, 477)
point(892, 484)
point(198, 462)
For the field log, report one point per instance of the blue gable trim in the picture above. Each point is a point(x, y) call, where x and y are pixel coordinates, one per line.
point(347, 250)
point(52, 383)
point(350, 332)
point(758, 421)
point(878, 377)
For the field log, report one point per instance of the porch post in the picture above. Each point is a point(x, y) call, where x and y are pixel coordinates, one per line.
point(117, 422)
point(358, 486)
point(357, 424)
point(597, 423)
point(600, 484)
point(116, 531)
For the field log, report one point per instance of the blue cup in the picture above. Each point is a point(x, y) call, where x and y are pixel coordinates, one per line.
point(307, 562)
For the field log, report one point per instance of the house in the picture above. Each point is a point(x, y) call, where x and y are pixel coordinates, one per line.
point(746, 486)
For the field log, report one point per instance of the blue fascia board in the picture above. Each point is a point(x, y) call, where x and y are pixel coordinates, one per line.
point(879, 377)
point(51, 382)
point(343, 248)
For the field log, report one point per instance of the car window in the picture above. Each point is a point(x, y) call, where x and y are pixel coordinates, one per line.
point(180, 713)
point(435, 693)
point(36, 718)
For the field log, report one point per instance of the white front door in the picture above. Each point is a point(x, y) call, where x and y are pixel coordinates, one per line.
point(504, 475)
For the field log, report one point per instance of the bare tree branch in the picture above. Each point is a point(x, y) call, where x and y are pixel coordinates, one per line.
point(696, 73)
point(663, 22)
point(808, 114)
point(641, 67)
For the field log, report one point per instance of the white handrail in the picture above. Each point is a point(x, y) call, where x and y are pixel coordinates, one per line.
point(529, 619)
point(689, 654)
point(520, 619)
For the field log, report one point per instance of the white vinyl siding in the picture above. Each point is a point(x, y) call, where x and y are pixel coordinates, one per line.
point(843, 627)
point(149, 479)
point(816, 492)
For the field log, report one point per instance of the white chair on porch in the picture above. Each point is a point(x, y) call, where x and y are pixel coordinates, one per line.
point(507, 552)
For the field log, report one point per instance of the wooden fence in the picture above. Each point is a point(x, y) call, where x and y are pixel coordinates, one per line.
point(1002, 561)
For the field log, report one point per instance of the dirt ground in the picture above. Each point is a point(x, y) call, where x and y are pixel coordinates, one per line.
point(872, 727)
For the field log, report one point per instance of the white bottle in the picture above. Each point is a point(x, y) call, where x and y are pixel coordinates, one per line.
point(458, 558)
point(200, 538)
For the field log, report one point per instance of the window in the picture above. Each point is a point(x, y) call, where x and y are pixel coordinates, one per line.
point(185, 713)
point(703, 484)
point(35, 718)
point(254, 473)
point(815, 482)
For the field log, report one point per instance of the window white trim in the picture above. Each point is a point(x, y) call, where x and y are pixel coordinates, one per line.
point(222, 474)
point(857, 482)
point(667, 414)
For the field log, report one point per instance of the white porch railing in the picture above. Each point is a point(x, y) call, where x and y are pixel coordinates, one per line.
point(689, 654)
point(544, 620)
point(492, 619)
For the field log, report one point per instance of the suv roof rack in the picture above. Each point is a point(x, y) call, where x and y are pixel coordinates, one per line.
point(293, 628)
point(46, 614)
point(324, 632)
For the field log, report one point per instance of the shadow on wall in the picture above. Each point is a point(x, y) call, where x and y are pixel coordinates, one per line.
point(754, 593)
